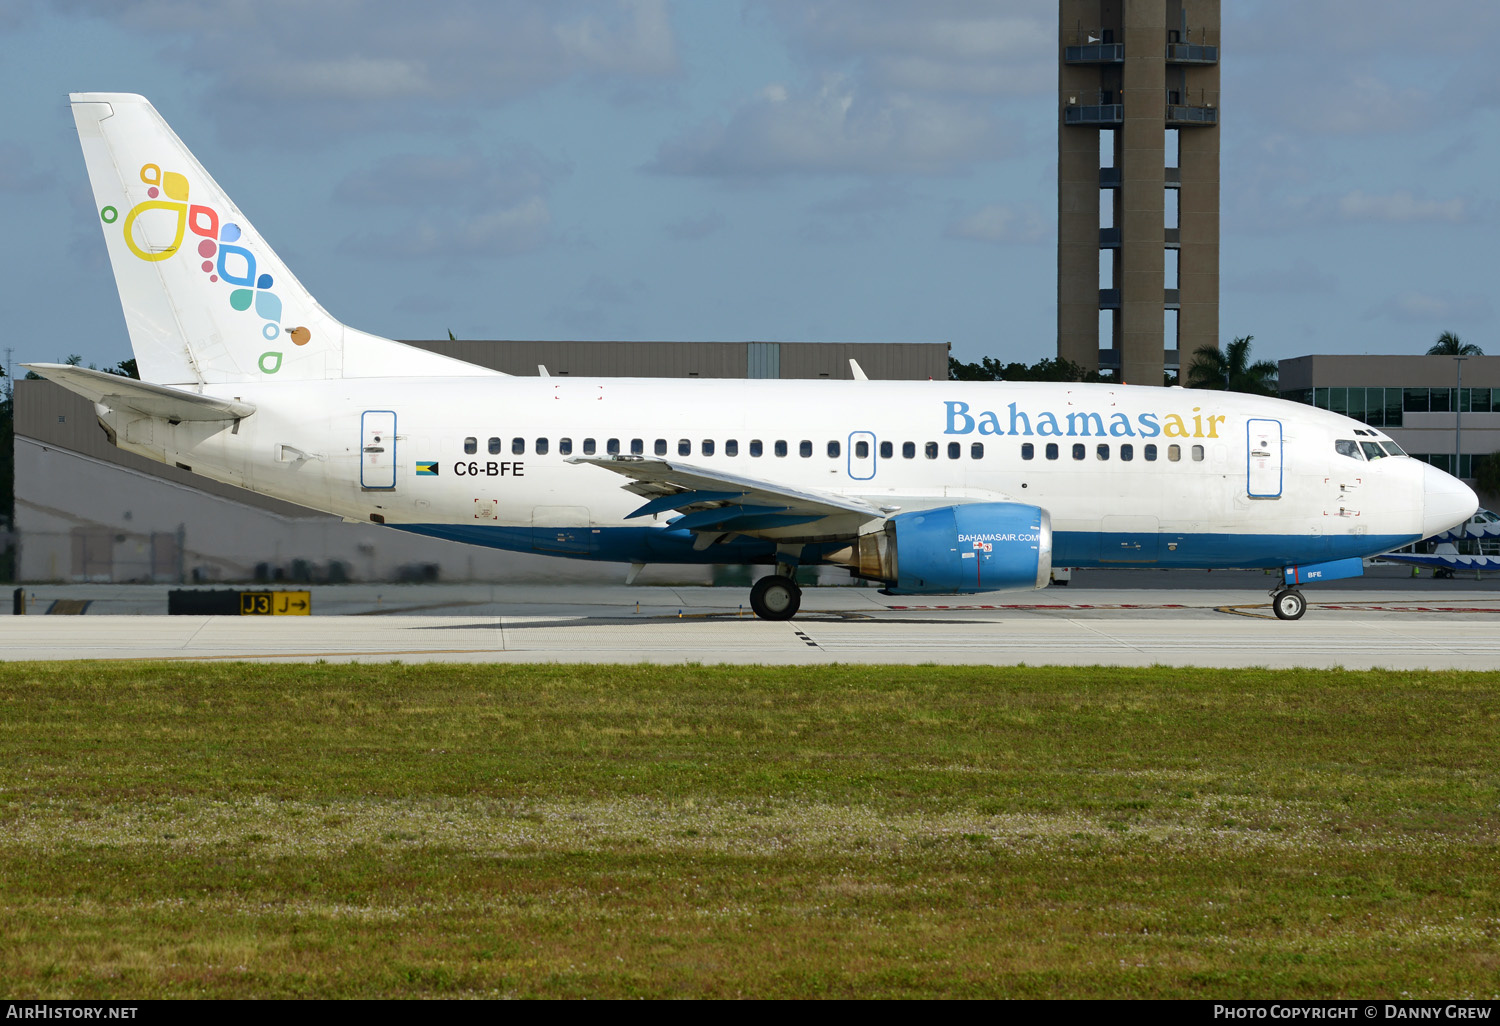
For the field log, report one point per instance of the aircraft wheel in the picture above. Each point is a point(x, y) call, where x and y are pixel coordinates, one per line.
point(1442, 573)
point(1289, 605)
point(775, 598)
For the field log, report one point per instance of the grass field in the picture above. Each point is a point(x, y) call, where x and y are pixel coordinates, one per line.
point(237, 830)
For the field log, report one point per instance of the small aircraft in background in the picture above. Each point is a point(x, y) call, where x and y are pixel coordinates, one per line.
point(1474, 545)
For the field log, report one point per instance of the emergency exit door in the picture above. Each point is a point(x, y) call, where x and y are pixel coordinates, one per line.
point(377, 463)
point(1264, 460)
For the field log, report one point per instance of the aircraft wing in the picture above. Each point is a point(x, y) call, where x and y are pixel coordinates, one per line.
point(714, 503)
point(121, 393)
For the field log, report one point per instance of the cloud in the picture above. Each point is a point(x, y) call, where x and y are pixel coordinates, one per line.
point(470, 205)
point(285, 67)
point(1000, 223)
point(497, 232)
point(692, 228)
point(836, 128)
point(472, 179)
point(953, 46)
point(1401, 207)
point(1414, 307)
point(1379, 30)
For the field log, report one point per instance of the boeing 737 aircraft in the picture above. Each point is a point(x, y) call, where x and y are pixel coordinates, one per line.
point(926, 487)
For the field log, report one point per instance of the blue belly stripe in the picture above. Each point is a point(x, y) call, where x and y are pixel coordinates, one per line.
point(1069, 548)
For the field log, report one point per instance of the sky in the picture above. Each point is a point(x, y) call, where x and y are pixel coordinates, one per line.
point(724, 170)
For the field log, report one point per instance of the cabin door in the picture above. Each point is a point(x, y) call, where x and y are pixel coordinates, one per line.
point(377, 461)
point(861, 455)
point(1264, 459)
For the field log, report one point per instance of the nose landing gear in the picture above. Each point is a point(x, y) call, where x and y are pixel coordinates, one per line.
point(1288, 604)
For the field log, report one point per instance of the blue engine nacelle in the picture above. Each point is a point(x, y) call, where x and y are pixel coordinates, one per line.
point(980, 546)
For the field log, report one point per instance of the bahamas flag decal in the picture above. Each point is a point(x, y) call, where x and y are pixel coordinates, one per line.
point(427, 468)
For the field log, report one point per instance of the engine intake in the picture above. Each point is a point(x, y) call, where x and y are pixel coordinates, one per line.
point(951, 550)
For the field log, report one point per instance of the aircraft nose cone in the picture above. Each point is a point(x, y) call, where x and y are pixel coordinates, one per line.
point(1446, 501)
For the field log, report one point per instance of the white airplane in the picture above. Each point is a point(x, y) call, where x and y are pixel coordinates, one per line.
point(926, 487)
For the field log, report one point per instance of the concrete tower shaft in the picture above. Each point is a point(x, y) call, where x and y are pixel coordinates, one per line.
point(1137, 183)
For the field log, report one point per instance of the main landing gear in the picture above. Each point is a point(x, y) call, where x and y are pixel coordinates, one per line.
point(776, 598)
point(1288, 604)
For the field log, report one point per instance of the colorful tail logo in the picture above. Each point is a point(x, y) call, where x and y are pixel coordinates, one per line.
point(235, 265)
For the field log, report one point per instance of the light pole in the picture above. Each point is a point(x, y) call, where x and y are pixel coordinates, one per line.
point(1458, 418)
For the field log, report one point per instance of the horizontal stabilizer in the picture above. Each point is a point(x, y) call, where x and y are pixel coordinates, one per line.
point(121, 393)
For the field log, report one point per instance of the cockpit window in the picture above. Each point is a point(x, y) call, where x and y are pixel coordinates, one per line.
point(1348, 447)
point(1373, 451)
point(1393, 449)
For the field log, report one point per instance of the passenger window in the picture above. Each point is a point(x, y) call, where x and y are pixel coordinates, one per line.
point(1197, 454)
point(637, 447)
point(612, 447)
point(1174, 453)
point(805, 449)
point(565, 446)
point(886, 450)
point(755, 447)
point(1127, 452)
point(932, 450)
point(518, 446)
point(661, 447)
point(1150, 453)
point(833, 450)
point(588, 447)
point(1079, 451)
point(781, 447)
point(954, 450)
point(1373, 451)
point(471, 445)
point(1103, 452)
point(494, 446)
point(1028, 451)
point(732, 447)
point(707, 447)
point(1052, 450)
point(684, 447)
point(977, 451)
point(541, 447)
point(908, 450)
point(861, 450)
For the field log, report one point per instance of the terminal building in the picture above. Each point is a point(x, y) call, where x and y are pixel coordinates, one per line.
point(87, 511)
point(1443, 410)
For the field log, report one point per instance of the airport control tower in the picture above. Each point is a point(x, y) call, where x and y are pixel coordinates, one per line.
point(1137, 184)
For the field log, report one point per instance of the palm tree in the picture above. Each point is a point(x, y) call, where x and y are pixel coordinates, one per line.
point(1449, 344)
point(1229, 369)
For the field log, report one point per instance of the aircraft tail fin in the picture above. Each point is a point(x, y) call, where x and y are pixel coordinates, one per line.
point(206, 300)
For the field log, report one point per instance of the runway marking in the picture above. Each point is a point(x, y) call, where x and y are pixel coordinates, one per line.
point(1239, 610)
point(1047, 606)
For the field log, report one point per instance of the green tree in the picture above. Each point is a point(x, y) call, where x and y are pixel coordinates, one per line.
point(1049, 369)
point(1449, 344)
point(1230, 370)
